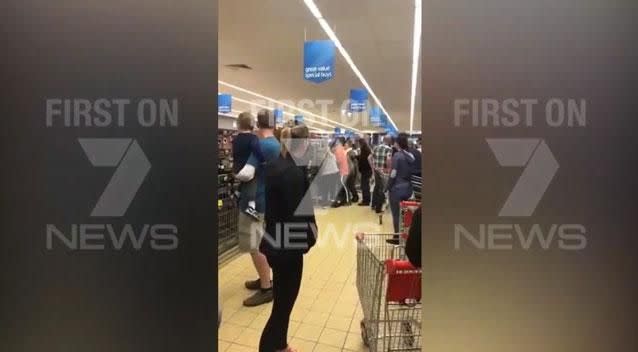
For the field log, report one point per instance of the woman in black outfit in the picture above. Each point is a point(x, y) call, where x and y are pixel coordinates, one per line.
point(290, 232)
point(366, 171)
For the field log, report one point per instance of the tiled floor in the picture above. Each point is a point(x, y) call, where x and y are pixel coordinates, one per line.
point(327, 313)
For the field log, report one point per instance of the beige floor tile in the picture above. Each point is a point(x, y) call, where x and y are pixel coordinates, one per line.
point(326, 348)
point(354, 342)
point(242, 317)
point(302, 345)
point(344, 310)
point(229, 332)
point(332, 337)
point(298, 314)
point(323, 305)
point(305, 303)
point(338, 323)
point(292, 328)
point(318, 318)
point(263, 309)
point(309, 293)
point(259, 322)
point(308, 332)
point(249, 337)
point(240, 348)
point(355, 325)
point(222, 345)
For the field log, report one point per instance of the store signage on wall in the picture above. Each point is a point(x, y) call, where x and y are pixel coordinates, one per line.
point(358, 99)
point(375, 116)
point(318, 60)
point(279, 116)
point(224, 103)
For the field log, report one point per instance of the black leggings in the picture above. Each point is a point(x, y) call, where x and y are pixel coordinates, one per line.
point(365, 187)
point(286, 280)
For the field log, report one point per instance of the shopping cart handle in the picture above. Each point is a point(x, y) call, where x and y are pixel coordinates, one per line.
point(410, 203)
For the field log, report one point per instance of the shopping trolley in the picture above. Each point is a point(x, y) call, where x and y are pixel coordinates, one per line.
point(390, 294)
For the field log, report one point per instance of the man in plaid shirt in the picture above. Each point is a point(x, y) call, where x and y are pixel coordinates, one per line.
point(380, 161)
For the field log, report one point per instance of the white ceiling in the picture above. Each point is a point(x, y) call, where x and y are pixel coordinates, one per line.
point(268, 35)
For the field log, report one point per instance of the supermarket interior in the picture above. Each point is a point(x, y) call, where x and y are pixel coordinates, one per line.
point(343, 76)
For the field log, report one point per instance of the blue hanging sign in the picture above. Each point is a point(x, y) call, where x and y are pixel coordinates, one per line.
point(279, 116)
point(358, 99)
point(383, 121)
point(224, 103)
point(375, 116)
point(298, 119)
point(318, 60)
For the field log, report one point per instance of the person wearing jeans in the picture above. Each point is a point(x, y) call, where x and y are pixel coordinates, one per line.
point(399, 185)
point(378, 160)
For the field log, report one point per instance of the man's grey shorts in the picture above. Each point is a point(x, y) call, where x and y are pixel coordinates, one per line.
point(250, 232)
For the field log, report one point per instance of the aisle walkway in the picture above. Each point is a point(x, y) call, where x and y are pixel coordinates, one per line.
point(327, 313)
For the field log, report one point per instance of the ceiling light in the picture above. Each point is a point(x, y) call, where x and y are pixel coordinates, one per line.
point(331, 34)
point(305, 112)
point(416, 46)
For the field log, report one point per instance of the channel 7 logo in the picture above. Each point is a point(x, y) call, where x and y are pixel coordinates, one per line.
point(131, 168)
point(131, 164)
point(539, 168)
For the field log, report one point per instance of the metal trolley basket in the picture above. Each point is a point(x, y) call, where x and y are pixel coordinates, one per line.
point(390, 295)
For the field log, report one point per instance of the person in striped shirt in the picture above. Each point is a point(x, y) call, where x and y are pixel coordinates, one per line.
point(379, 161)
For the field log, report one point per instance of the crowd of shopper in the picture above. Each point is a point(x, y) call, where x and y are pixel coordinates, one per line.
point(391, 164)
point(273, 167)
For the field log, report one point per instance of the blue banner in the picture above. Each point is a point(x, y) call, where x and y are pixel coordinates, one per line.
point(224, 103)
point(375, 116)
point(279, 116)
point(383, 121)
point(358, 99)
point(318, 60)
point(298, 119)
point(387, 126)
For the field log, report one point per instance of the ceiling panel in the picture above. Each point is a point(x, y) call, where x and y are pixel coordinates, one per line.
point(268, 36)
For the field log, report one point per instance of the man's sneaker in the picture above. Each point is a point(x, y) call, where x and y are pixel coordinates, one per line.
point(253, 284)
point(260, 297)
point(252, 213)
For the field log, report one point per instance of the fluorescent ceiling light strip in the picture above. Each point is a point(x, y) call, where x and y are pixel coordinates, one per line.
point(416, 46)
point(283, 104)
point(320, 130)
point(331, 34)
point(285, 112)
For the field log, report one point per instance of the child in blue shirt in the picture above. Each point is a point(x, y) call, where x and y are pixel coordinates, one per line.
point(245, 144)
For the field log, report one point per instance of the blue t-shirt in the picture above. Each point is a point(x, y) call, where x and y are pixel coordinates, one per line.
point(270, 148)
